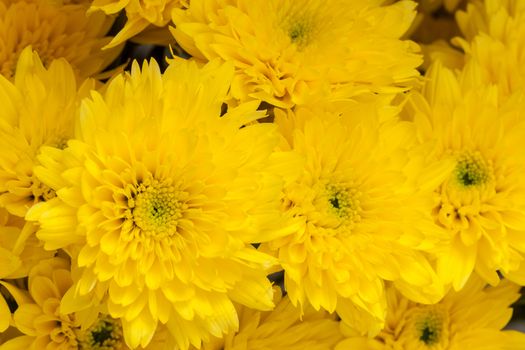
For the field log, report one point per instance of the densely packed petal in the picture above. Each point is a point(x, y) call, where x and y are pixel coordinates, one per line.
point(140, 15)
point(286, 52)
point(54, 31)
point(156, 211)
point(459, 321)
point(481, 202)
point(262, 174)
point(360, 214)
point(26, 126)
point(283, 328)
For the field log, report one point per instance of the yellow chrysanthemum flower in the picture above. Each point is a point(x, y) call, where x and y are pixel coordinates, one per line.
point(494, 37)
point(39, 109)
point(45, 326)
point(20, 250)
point(160, 198)
point(469, 319)
point(360, 216)
point(140, 14)
point(496, 18)
point(283, 328)
point(481, 202)
point(288, 52)
point(54, 31)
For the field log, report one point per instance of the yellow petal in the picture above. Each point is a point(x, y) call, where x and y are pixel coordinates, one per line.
point(139, 331)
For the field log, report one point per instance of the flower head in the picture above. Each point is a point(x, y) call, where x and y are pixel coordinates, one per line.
point(459, 321)
point(160, 199)
point(44, 325)
point(54, 31)
point(360, 216)
point(283, 328)
point(481, 201)
point(20, 250)
point(141, 15)
point(39, 110)
point(492, 42)
point(287, 52)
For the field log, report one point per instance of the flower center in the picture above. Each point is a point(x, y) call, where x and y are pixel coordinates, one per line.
point(429, 325)
point(461, 195)
point(299, 23)
point(417, 327)
point(429, 332)
point(158, 208)
point(472, 170)
point(299, 33)
point(105, 334)
point(41, 192)
point(58, 142)
point(344, 203)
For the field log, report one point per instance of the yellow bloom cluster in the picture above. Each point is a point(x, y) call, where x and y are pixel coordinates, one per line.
point(283, 175)
point(459, 321)
point(55, 31)
point(289, 52)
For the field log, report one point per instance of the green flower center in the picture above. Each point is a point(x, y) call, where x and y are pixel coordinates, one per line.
point(472, 170)
point(58, 141)
point(429, 335)
point(300, 25)
point(429, 328)
point(344, 202)
point(105, 334)
point(299, 33)
point(158, 206)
